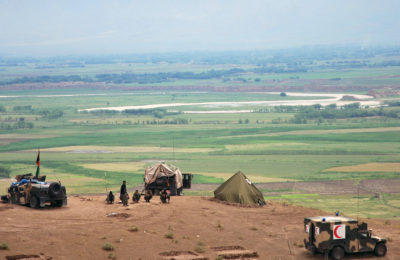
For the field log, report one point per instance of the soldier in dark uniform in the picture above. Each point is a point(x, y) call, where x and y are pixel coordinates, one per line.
point(164, 196)
point(136, 196)
point(123, 195)
point(110, 198)
point(148, 196)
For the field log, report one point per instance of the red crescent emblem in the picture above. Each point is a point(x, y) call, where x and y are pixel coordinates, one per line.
point(335, 232)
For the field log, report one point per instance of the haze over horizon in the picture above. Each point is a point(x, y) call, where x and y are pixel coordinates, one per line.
point(46, 28)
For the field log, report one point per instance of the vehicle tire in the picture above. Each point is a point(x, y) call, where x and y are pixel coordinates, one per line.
point(380, 249)
point(34, 202)
point(337, 253)
point(58, 203)
point(54, 189)
point(5, 199)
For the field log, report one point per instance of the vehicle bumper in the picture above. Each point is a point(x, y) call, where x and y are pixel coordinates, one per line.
point(43, 200)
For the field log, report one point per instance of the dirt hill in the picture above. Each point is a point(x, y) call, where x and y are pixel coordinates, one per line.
point(186, 227)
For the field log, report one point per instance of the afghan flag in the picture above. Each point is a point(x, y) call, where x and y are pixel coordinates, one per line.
point(37, 164)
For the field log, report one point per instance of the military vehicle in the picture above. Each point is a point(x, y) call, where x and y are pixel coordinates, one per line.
point(169, 183)
point(338, 235)
point(35, 192)
point(166, 176)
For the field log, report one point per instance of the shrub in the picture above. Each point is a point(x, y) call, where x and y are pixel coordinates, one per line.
point(219, 226)
point(4, 246)
point(199, 248)
point(108, 247)
point(169, 235)
point(133, 229)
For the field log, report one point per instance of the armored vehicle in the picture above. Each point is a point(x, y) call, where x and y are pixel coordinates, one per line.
point(337, 236)
point(35, 192)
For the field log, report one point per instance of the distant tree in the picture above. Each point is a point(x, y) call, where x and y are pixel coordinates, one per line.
point(240, 121)
point(317, 106)
point(246, 121)
point(332, 106)
point(283, 94)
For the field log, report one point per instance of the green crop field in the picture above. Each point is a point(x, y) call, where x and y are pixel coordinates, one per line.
point(94, 151)
point(207, 144)
point(388, 206)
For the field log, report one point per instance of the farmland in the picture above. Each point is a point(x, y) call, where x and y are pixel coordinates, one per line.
point(93, 151)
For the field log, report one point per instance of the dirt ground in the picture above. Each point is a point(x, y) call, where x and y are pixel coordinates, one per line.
point(186, 227)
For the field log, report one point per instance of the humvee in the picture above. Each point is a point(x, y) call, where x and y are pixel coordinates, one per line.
point(35, 192)
point(337, 235)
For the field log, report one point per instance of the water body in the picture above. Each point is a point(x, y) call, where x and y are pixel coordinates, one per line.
point(335, 98)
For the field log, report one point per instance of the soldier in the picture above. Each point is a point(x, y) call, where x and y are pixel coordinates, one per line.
point(148, 196)
point(164, 196)
point(136, 196)
point(110, 198)
point(123, 195)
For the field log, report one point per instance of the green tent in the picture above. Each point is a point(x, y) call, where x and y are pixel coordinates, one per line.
point(239, 189)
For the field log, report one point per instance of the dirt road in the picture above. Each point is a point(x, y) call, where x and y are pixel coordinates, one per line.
point(194, 224)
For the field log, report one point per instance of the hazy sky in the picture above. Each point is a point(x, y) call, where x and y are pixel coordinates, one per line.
point(58, 27)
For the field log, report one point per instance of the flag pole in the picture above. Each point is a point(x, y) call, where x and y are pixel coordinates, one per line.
point(37, 164)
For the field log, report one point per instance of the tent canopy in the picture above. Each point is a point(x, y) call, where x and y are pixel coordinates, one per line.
point(239, 189)
point(162, 170)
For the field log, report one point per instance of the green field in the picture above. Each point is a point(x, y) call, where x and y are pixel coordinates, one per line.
point(209, 145)
point(90, 152)
point(363, 206)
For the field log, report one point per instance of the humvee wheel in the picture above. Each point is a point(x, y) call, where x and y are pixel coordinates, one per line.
point(54, 189)
point(337, 253)
point(380, 249)
point(58, 203)
point(34, 202)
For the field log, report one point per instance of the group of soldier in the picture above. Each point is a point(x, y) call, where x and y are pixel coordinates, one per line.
point(124, 196)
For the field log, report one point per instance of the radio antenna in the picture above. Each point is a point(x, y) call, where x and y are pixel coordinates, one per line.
point(105, 180)
point(173, 148)
point(358, 199)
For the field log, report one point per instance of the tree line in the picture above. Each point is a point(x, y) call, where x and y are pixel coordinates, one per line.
point(319, 113)
point(156, 112)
